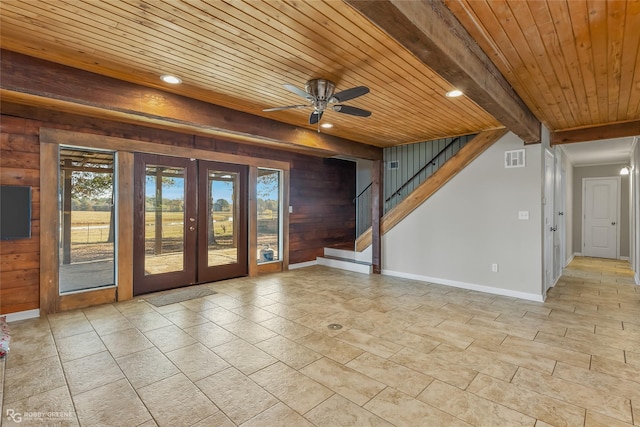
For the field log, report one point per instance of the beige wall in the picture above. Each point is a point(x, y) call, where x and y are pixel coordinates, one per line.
point(599, 172)
point(471, 223)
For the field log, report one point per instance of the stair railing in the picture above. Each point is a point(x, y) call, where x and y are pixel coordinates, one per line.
point(363, 210)
point(363, 199)
point(435, 161)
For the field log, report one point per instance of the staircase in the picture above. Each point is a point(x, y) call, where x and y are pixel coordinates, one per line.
point(359, 262)
point(406, 196)
point(426, 181)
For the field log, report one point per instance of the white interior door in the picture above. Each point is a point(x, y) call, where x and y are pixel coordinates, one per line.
point(601, 217)
point(549, 220)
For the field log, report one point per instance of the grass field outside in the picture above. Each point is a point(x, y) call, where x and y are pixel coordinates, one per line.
point(90, 232)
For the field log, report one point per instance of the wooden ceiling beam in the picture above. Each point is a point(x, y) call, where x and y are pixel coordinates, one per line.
point(596, 133)
point(31, 81)
point(433, 34)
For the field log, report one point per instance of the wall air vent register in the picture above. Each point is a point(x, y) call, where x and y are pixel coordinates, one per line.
point(514, 159)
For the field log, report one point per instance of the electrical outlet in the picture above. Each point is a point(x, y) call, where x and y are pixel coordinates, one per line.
point(494, 268)
point(290, 209)
point(523, 215)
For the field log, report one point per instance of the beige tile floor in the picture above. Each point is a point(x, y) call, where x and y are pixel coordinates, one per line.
point(259, 353)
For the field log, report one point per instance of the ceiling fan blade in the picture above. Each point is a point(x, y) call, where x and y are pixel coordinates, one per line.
point(354, 111)
point(348, 94)
point(288, 107)
point(315, 117)
point(297, 91)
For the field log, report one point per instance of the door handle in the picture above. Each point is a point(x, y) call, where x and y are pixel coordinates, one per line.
point(613, 223)
point(553, 228)
point(192, 228)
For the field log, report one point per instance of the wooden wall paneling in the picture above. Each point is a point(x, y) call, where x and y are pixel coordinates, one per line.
point(20, 259)
point(19, 176)
point(49, 262)
point(125, 202)
point(321, 193)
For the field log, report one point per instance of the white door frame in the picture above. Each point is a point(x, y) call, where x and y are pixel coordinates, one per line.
point(548, 220)
point(584, 208)
point(559, 212)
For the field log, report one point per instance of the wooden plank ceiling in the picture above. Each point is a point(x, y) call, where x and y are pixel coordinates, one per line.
point(575, 64)
point(239, 54)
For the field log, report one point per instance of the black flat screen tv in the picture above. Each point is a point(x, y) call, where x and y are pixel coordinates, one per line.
point(15, 212)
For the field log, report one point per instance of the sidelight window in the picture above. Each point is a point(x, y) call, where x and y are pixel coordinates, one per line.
point(87, 219)
point(269, 197)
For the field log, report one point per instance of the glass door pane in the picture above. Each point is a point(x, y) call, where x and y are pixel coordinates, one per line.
point(223, 246)
point(87, 220)
point(268, 189)
point(222, 238)
point(164, 213)
point(165, 223)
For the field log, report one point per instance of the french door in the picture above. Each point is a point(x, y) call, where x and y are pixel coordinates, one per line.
point(190, 222)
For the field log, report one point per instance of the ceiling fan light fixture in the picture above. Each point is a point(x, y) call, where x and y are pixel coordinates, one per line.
point(322, 97)
point(326, 125)
point(168, 78)
point(454, 93)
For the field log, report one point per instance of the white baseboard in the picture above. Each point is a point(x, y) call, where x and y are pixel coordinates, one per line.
point(302, 265)
point(341, 253)
point(22, 315)
point(637, 277)
point(623, 258)
point(569, 260)
point(575, 254)
point(355, 266)
point(464, 285)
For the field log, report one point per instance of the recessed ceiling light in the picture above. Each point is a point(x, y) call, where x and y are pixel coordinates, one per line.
point(326, 125)
point(454, 93)
point(171, 79)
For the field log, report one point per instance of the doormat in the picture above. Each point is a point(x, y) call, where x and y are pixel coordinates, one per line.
point(178, 295)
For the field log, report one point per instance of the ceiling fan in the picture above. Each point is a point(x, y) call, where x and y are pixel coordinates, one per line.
point(320, 94)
